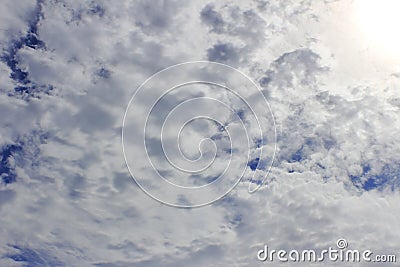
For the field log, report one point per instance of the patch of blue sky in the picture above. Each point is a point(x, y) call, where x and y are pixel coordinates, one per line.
point(7, 172)
point(30, 258)
point(388, 177)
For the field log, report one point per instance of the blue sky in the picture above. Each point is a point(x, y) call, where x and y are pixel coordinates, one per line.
point(68, 70)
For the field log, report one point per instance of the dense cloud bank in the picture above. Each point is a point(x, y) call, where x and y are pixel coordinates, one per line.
point(67, 72)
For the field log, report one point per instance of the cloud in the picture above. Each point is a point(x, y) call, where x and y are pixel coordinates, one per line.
point(212, 18)
point(68, 70)
point(224, 53)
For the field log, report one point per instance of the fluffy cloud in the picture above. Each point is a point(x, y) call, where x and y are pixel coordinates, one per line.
point(67, 72)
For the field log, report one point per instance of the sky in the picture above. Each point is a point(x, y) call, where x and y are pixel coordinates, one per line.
point(131, 132)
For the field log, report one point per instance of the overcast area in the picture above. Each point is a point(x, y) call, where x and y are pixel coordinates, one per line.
point(324, 151)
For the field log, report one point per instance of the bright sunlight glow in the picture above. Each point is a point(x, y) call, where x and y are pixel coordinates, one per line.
point(380, 22)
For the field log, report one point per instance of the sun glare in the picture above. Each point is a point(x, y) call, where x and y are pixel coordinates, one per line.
point(380, 22)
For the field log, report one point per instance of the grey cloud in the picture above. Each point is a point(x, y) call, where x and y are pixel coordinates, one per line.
point(338, 140)
point(155, 16)
point(224, 53)
point(92, 117)
point(212, 18)
point(6, 196)
point(75, 186)
point(301, 65)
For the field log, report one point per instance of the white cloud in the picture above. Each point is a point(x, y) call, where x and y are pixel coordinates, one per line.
point(74, 202)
